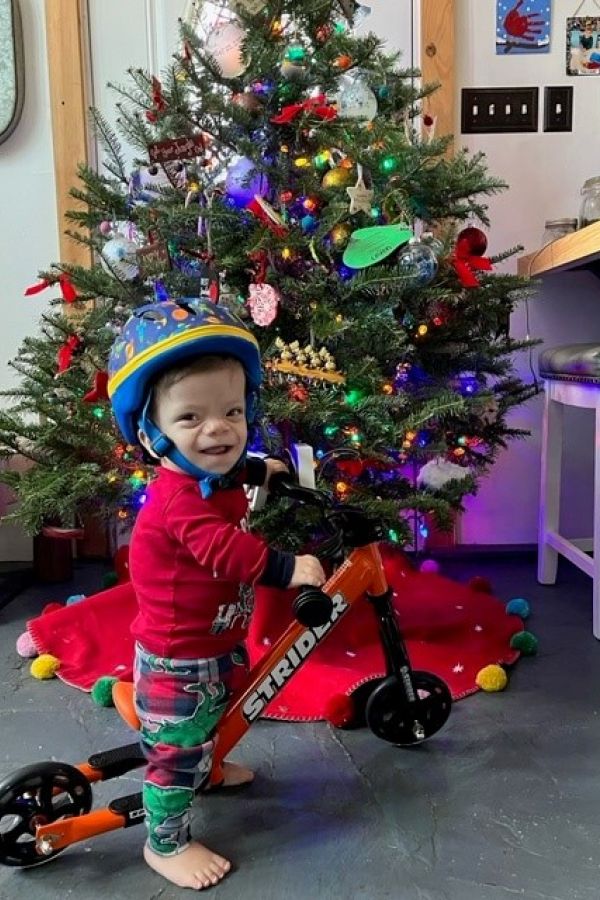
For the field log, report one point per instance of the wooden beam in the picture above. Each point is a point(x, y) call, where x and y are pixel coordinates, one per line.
point(68, 75)
point(437, 61)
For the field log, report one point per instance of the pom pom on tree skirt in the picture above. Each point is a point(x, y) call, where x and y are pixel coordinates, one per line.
point(51, 607)
point(102, 690)
point(491, 678)
point(25, 646)
point(44, 667)
point(480, 584)
point(436, 473)
point(525, 642)
point(518, 607)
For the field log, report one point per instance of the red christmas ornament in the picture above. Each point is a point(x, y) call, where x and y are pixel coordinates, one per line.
point(468, 257)
point(351, 467)
point(323, 33)
point(298, 393)
point(471, 242)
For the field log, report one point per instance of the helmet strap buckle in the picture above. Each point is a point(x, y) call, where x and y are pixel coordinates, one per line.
point(161, 445)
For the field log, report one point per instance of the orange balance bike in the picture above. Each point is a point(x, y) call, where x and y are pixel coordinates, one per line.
point(47, 806)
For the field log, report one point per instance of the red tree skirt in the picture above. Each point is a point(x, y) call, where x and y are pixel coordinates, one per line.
point(449, 628)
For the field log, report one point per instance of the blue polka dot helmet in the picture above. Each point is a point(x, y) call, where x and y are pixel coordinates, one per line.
point(158, 336)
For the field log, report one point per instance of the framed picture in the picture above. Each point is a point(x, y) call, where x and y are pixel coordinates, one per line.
point(12, 70)
point(583, 45)
point(523, 26)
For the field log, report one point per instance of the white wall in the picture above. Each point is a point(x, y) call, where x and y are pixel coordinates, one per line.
point(29, 239)
point(147, 42)
point(545, 172)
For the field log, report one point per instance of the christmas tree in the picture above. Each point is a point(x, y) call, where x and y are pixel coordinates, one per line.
point(284, 167)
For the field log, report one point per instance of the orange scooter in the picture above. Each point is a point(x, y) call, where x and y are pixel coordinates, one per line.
point(47, 806)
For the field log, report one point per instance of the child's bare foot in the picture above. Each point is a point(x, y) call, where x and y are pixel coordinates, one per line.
point(235, 775)
point(195, 867)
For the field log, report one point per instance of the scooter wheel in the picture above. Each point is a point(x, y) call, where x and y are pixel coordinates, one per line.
point(38, 795)
point(394, 718)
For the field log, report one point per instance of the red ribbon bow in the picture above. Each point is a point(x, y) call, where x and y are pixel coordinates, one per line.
point(318, 106)
point(67, 288)
point(464, 263)
point(100, 389)
point(158, 101)
point(64, 357)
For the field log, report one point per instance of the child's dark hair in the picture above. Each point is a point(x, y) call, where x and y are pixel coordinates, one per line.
point(210, 363)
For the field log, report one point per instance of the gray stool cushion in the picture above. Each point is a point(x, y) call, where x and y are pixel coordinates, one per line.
point(571, 362)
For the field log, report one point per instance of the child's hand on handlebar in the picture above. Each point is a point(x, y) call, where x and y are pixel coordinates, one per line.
point(274, 465)
point(307, 570)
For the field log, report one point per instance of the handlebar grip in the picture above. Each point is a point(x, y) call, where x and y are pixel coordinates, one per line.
point(312, 607)
point(281, 483)
point(284, 485)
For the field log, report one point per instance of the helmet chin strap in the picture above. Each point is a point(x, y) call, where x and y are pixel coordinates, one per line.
point(163, 447)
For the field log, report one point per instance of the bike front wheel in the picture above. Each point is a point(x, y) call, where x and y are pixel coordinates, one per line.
point(392, 717)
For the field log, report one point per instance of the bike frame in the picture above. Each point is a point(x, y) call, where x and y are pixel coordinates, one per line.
point(361, 573)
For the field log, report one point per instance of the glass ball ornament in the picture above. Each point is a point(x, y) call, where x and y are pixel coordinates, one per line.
point(340, 235)
point(340, 177)
point(295, 63)
point(118, 257)
point(356, 100)
point(243, 182)
point(293, 71)
point(471, 242)
point(433, 243)
point(248, 101)
point(418, 263)
point(224, 43)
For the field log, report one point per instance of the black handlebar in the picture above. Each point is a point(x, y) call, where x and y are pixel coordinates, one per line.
point(346, 525)
point(284, 485)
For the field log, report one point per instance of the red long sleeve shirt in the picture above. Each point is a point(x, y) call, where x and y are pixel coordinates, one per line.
point(193, 564)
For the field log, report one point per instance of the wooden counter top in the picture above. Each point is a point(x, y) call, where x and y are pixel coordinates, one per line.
point(569, 252)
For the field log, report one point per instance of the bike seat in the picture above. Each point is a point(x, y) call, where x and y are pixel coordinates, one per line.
point(123, 698)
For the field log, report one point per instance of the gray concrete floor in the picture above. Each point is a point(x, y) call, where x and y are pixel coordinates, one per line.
point(503, 803)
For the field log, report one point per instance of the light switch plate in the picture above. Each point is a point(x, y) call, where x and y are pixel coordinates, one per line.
point(558, 108)
point(499, 110)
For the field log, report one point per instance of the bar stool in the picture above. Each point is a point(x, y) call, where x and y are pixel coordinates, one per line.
point(571, 376)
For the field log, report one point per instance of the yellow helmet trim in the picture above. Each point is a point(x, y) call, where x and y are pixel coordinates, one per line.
point(176, 340)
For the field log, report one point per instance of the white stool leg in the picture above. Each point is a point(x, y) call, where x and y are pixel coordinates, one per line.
point(552, 440)
point(596, 544)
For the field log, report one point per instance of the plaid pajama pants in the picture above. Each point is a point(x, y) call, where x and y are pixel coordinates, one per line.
point(179, 703)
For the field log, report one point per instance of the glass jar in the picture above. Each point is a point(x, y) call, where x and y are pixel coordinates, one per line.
point(590, 203)
point(557, 228)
